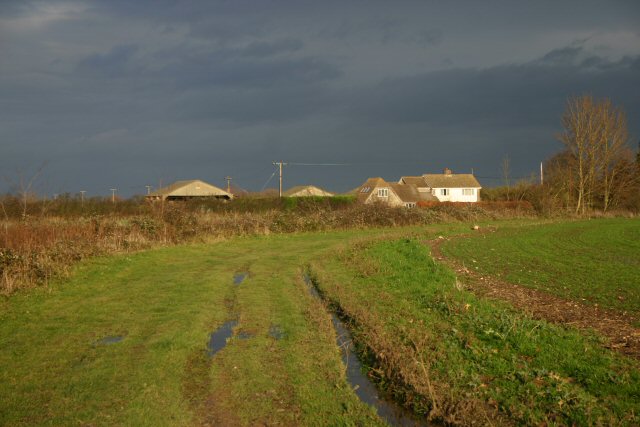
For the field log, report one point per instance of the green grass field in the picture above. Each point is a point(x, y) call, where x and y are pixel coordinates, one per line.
point(594, 260)
point(473, 358)
point(436, 347)
point(165, 303)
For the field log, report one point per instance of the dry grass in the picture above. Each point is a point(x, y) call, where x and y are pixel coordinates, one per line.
point(35, 249)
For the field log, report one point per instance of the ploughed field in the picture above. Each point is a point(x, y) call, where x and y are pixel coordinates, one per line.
point(231, 333)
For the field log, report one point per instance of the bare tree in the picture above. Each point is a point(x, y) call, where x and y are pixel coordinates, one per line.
point(596, 136)
point(506, 174)
point(24, 187)
point(615, 155)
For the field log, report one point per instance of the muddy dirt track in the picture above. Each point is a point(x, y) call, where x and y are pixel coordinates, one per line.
point(616, 327)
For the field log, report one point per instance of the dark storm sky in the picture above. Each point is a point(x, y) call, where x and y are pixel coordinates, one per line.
point(125, 93)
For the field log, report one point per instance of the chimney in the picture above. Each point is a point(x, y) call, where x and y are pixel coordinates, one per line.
point(447, 171)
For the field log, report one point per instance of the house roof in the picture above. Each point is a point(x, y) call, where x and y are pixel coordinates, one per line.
point(409, 193)
point(418, 181)
point(310, 190)
point(190, 188)
point(454, 180)
point(364, 191)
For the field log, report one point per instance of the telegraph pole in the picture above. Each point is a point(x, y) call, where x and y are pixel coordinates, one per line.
point(280, 164)
point(541, 175)
point(113, 195)
point(228, 178)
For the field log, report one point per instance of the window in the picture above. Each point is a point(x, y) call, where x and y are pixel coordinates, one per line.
point(383, 192)
point(410, 205)
point(468, 191)
point(365, 189)
point(444, 191)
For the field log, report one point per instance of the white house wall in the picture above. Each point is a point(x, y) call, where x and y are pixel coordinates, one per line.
point(455, 195)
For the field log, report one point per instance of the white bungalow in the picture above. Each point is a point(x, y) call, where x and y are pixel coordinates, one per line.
point(447, 186)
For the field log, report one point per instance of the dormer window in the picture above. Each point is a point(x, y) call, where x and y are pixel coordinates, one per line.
point(383, 192)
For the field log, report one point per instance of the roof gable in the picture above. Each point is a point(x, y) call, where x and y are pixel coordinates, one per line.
point(365, 190)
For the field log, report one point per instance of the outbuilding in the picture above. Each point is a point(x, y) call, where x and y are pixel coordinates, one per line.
point(307, 191)
point(190, 189)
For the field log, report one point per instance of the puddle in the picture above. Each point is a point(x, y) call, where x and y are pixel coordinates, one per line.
point(239, 277)
point(111, 339)
point(364, 388)
point(312, 289)
point(218, 339)
point(276, 332)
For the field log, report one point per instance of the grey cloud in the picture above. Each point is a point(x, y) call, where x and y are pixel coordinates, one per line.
point(246, 73)
point(284, 104)
point(111, 64)
point(563, 56)
point(432, 36)
point(528, 94)
point(262, 49)
point(187, 89)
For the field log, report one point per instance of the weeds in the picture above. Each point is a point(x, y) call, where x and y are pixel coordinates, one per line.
point(37, 247)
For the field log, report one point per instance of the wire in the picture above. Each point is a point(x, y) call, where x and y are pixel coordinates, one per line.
point(268, 180)
point(320, 164)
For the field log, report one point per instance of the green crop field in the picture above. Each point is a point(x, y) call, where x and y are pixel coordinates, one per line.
point(596, 260)
point(124, 341)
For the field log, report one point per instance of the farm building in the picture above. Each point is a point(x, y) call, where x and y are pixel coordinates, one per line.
point(446, 186)
point(394, 194)
point(191, 189)
point(307, 191)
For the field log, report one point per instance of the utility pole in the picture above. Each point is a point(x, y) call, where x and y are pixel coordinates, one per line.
point(82, 197)
point(541, 174)
point(113, 195)
point(280, 164)
point(228, 178)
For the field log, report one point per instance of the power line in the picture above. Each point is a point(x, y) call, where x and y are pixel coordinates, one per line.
point(321, 164)
point(268, 180)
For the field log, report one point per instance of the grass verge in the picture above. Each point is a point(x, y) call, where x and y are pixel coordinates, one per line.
point(467, 360)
